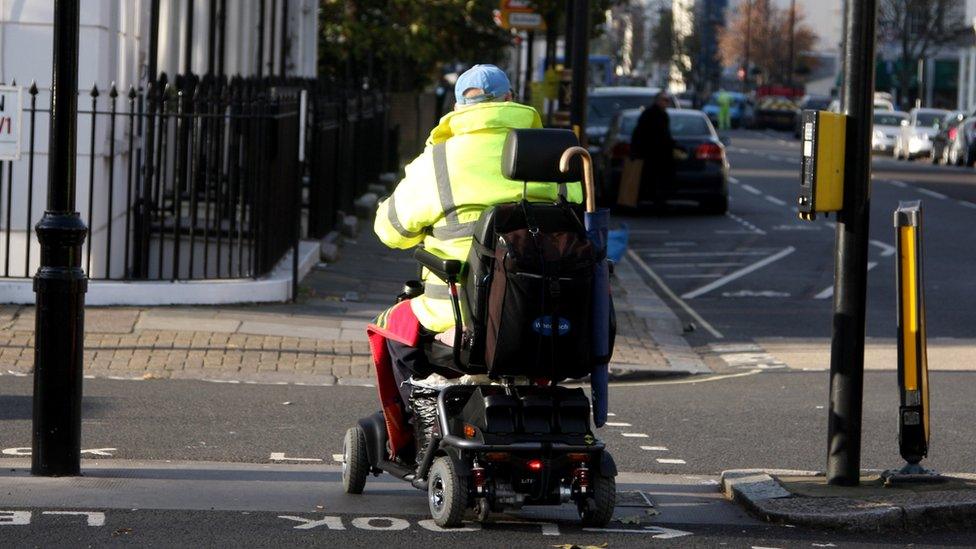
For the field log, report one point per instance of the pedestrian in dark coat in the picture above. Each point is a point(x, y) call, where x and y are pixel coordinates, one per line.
point(652, 142)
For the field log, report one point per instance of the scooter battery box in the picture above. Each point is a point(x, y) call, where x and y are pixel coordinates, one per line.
point(537, 413)
point(573, 411)
point(491, 411)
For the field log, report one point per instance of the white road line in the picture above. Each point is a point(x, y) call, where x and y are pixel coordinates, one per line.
point(887, 250)
point(699, 254)
point(337, 458)
point(749, 188)
point(670, 461)
point(775, 200)
point(280, 456)
point(654, 448)
point(690, 265)
point(931, 193)
point(634, 435)
point(733, 180)
point(693, 275)
point(680, 243)
point(744, 223)
point(828, 292)
point(739, 274)
point(899, 184)
point(967, 204)
point(649, 231)
point(616, 424)
point(664, 288)
point(611, 414)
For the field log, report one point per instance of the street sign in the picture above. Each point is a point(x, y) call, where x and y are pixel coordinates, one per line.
point(10, 123)
point(519, 15)
point(523, 20)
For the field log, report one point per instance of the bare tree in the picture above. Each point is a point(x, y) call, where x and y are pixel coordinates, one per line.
point(758, 34)
point(920, 28)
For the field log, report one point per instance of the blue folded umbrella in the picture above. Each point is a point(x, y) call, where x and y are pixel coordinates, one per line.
point(597, 225)
point(617, 240)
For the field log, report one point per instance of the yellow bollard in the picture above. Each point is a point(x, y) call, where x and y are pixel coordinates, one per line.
point(913, 372)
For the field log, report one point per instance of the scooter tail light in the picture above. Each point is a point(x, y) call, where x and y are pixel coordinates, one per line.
point(534, 465)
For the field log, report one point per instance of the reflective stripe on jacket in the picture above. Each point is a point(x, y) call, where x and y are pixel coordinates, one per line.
point(446, 188)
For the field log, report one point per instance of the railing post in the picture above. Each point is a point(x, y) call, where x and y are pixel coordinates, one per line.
point(60, 283)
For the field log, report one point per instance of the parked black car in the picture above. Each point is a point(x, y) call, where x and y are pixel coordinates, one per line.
point(701, 167)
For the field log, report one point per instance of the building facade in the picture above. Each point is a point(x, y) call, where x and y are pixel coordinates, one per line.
point(161, 168)
point(966, 99)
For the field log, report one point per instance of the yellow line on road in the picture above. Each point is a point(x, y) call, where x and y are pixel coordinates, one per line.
point(691, 381)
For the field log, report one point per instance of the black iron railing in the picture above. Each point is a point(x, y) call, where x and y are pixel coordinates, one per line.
point(200, 178)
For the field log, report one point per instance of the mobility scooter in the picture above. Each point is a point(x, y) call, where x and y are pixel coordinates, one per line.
point(514, 437)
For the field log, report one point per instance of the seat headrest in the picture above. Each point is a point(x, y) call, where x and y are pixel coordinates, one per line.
point(533, 155)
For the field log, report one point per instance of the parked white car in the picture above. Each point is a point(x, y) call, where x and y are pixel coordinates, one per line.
point(887, 128)
point(915, 138)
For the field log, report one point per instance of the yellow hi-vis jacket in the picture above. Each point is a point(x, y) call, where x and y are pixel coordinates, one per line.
point(448, 186)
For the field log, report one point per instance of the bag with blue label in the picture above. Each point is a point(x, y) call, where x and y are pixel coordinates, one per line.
point(541, 298)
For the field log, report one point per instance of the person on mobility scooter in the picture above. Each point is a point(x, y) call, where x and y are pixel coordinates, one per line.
point(469, 360)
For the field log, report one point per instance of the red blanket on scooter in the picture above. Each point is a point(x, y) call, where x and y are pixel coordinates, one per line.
point(399, 324)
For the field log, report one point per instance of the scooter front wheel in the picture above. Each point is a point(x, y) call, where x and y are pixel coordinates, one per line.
point(355, 461)
point(447, 493)
point(597, 511)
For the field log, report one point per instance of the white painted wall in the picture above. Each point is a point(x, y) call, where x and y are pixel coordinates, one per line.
point(114, 45)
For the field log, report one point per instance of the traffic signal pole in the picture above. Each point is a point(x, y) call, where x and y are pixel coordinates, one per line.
point(580, 63)
point(851, 251)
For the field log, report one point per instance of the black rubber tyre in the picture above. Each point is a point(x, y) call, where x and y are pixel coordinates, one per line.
point(355, 461)
point(447, 493)
point(716, 206)
point(597, 511)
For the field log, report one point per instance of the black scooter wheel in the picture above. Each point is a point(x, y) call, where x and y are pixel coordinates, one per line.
point(597, 511)
point(447, 493)
point(355, 461)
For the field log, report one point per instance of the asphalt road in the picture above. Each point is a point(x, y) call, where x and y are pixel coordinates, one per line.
point(685, 429)
point(788, 294)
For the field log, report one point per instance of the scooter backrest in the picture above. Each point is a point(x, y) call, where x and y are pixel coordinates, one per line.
point(533, 155)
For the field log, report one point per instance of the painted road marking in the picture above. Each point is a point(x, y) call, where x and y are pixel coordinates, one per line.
point(931, 193)
point(369, 524)
point(739, 274)
point(697, 265)
point(634, 435)
point(26, 452)
point(745, 223)
point(749, 188)
point(695, 380)
point(338, 458)
point(670, 461)
point(692, 275)
point(667, 290)
point(92, 518)
point(680, 243)
point(733, 180)
point(701, 254)
point(611, 414)
point(280, 456)
point(657, 531)
point(654, 448)
point(967, 204)
point(899, 184)
point(775, 200)
point(828, 292)
point(15, 518)
point(617, 424)
point(754, 293)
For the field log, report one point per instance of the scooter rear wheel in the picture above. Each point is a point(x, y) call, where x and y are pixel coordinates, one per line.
point(355, 461)
point(597, 511)
point(447, 493)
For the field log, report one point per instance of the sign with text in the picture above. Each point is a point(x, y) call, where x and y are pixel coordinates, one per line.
point(10, 123)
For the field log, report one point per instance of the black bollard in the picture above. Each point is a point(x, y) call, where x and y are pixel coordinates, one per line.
point(60, 283)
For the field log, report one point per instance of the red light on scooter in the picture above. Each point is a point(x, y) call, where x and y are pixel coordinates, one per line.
point(534, 464)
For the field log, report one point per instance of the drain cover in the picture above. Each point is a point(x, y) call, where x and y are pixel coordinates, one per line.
point(633, 498)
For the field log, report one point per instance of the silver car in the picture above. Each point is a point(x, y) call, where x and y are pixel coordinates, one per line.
point(887, 128)
point(915, 138)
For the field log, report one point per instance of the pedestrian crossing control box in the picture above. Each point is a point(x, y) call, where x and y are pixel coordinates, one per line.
point(824, 138)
